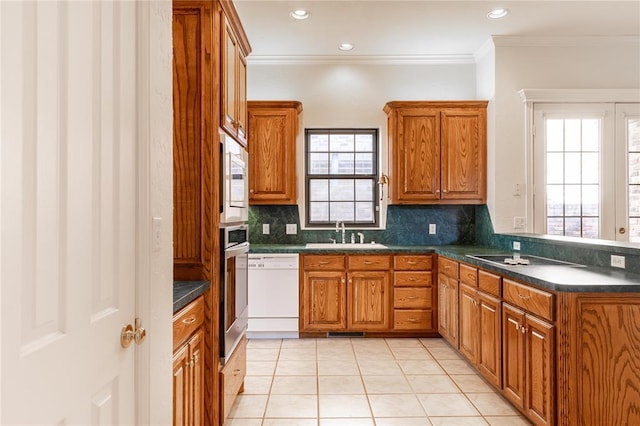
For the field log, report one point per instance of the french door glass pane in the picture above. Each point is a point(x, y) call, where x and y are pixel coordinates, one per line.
point(633, 135)
point(573, 176)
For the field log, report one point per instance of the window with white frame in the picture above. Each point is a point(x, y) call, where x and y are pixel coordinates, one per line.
point(341, 177)
point(587, 170)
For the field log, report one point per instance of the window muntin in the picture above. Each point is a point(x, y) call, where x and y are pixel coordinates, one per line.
point(341, 175)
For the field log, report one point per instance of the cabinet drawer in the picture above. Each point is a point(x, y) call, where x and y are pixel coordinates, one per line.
point(412, 297)
point(232, 376)
point(413, 262)
point(187, 320)
point(323, 262)
point(412, 279)
point(528, 298)
point(369, 262)
point(489, 283)
point(448, 267)
point(469, 275)
point(413, 320)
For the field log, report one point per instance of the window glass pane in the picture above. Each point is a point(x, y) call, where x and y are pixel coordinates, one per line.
point(634, 200)
point(364, 211)
point(555, 135)
point(634, 230)
point(318, 212)
point(341, 142)
point(572, 205)
point(591, 135)
point(364, 143)
point(342, 211)
point(341, 190)
point(555, 167)
point(319, 190)
point(571, 168)
point(342, 164)
point(590, 168)
point(364, 164)
point(555, 200)
point(634, 168)
point(633, 128)
point(572, 227)
point(318, 164)
point(555, 226)
point(572, 135)
point(364, 190)
point(590, 227)
point(590, 200)
point(318, 143)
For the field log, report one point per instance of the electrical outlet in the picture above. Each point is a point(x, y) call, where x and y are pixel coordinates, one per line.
point(265, 229)
point(516, 245)
point(617, 261)
point(292, 228)
point(432, 228)
point(519, 222)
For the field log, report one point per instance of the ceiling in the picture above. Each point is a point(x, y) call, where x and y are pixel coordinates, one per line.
point(420, 28)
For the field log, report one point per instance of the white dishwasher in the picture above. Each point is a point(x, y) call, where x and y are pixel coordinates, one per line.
point(273, 295)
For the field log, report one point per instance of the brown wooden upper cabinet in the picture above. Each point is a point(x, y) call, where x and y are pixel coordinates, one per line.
point(235, 48)
point(437, 152)
point(273, 129)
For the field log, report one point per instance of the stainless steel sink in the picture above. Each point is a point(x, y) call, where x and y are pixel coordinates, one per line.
point(524, 260)
point(345, 246)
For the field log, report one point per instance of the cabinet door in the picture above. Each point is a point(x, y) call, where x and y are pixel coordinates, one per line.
point(416, 156)
point(196, 388)
point(468, 321)
point(181, 387)
point(241, 96)
point(452, 311)
point(228, 108)
point(463, 154)
point(272, 162)
point(540, 370)
point(443, 306)
point(513, 373)
point(324, 300)
point(490, 344)
point(368, 300)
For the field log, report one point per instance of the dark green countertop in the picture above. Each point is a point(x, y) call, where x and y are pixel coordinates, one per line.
point(184, 292)
point(551, 277)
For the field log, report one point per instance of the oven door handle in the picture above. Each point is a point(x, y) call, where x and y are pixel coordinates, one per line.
point(237, 249)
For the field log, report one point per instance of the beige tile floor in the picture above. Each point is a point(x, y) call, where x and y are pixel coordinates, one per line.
point(364, 382)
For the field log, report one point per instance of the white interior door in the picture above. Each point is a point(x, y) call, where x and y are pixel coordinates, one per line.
point(68, 211)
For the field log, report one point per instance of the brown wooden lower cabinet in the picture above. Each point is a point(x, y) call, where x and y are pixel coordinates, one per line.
point(489, 359)
point(448, 308)
point(232, 378)
point(188, 365)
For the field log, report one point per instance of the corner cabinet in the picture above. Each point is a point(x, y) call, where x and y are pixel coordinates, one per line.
point(437, 152)
point(273, 129)
point(234, 50)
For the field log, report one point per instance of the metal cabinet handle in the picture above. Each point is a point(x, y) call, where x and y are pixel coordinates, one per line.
point(189, 320)
point(323, 262)
point(411, 262)
point(524, 296)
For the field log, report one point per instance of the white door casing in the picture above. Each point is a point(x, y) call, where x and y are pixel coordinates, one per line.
point(68, 123)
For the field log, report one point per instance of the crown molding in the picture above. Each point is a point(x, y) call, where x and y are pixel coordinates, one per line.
point(360, 59)
point(579, 95)
point(573, 41)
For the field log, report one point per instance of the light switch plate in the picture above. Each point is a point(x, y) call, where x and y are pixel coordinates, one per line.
point(265, 229)
point(292, 228)
point(432, 228)
point(617, 261)
point(516, 245)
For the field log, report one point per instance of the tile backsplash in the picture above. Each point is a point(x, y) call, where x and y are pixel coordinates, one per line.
point(406, 225)
point(455, 224)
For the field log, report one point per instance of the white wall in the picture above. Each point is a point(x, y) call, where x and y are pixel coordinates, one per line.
point(353, 95)
point(543, 63)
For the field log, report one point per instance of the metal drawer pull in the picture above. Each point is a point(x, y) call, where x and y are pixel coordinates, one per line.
point(189, 320)
point(411, 262)
point(368, 262)
point(524, 296)
point(411, 297)
point(323, 262)
point(523, 330)
point(236, 371)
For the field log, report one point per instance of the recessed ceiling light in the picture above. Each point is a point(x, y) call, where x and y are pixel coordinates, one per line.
point(299, 14)
point(498, 13)
point(346, 46)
